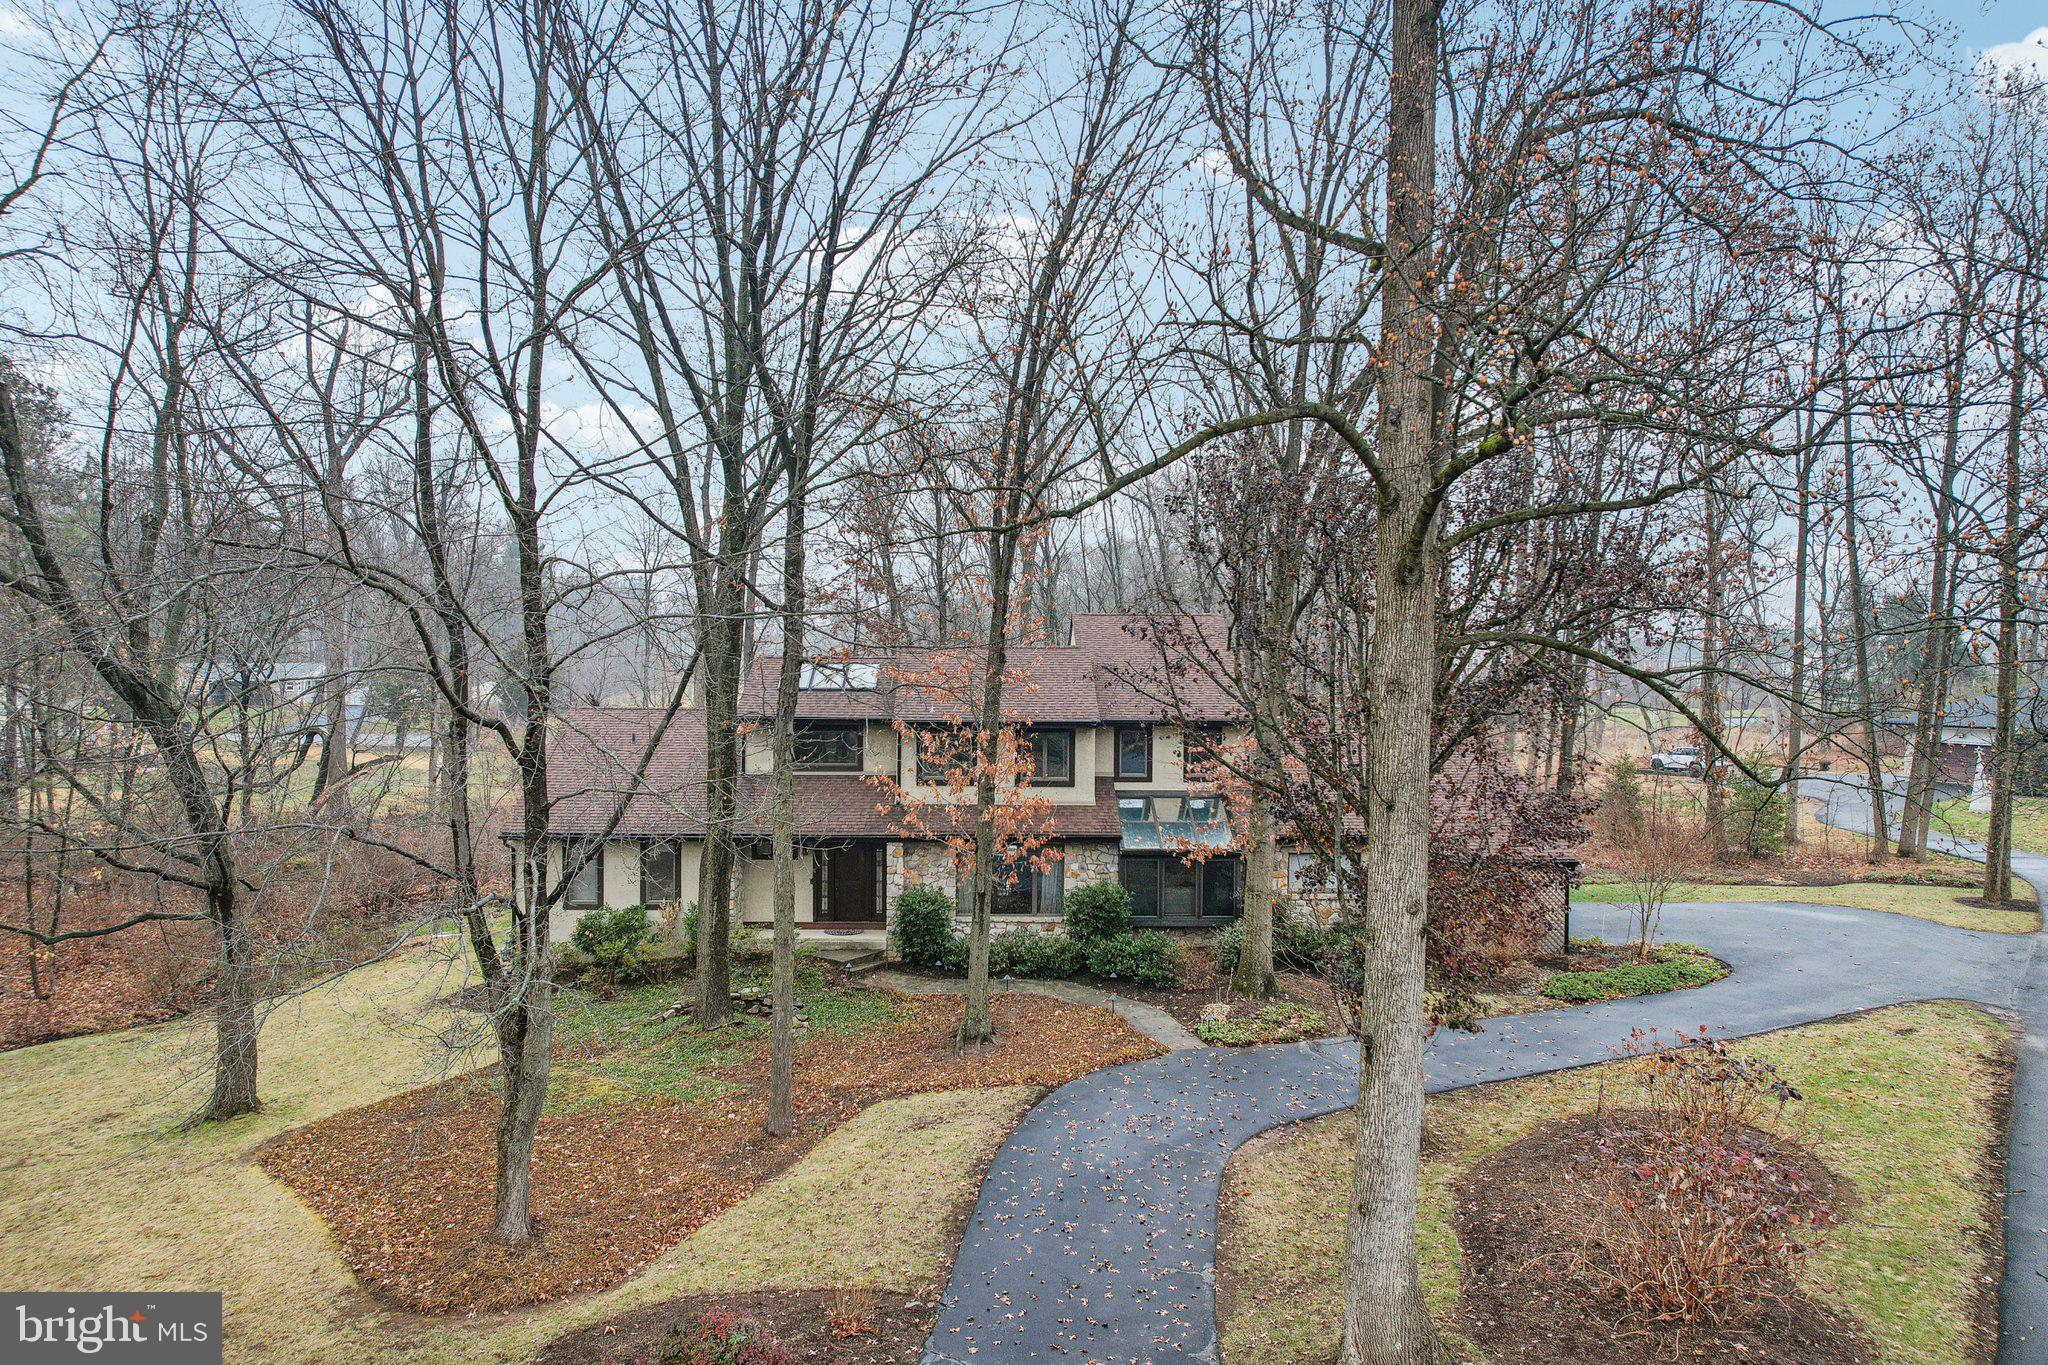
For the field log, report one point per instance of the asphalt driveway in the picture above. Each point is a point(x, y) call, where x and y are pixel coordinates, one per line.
point(1094, 1237)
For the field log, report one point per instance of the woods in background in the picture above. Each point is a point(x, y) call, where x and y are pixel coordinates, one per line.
point(383, 378)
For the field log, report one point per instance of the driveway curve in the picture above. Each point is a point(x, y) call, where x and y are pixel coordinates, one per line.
point(1094, 1235)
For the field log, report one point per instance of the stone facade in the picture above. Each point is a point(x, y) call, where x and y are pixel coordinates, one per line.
point(1090, 863)
point(930, 864)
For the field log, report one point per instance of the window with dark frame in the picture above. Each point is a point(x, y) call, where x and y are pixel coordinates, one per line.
point(586, 888)
point(1134, 752)
point(1028, 890)
point(829, 746)
point(1199, 744)
point(1222, 888)
point(1168, 890)
point(660, 872)
point(931, 768)
point(1052, 758)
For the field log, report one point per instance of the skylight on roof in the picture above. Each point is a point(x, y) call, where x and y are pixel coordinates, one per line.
point(847, 677)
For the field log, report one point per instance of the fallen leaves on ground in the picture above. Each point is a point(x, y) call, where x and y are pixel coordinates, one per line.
point(406, 1185)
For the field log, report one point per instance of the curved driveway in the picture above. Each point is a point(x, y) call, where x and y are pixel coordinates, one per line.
point(1094, 1236)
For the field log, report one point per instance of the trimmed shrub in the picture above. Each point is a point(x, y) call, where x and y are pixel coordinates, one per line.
point(1098, 911)
point(613, 940)
point(1030, 954)
point(1298, 941)
point(1146, 958)
point(1228, 946)
point(922, 926)
point(1673, 972)
point(1275, 1023)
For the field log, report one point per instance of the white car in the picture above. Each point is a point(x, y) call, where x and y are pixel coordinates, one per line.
point(1686, 759)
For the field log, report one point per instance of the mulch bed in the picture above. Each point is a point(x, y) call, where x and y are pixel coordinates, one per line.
point(799, 1319)
point(406, 1185)
point(1515, 986)
point(1203, 983)
point(1520, 1305)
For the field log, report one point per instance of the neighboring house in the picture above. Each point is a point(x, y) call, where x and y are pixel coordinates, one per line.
point(1968, 729)
point(1109, 762)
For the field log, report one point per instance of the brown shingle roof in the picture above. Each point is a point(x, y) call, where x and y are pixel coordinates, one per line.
point(1113, 670)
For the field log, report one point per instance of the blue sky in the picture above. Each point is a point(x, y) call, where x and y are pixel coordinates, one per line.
point(1981, 26)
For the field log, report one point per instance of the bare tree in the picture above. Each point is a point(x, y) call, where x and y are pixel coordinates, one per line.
point(1496, 253)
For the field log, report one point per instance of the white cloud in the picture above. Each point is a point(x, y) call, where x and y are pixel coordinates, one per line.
point(2025, 60)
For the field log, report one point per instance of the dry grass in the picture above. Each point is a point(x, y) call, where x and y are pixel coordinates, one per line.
point(672, 1140)
point(1942, 904)
point(98, 1189)
point(1904, 1103)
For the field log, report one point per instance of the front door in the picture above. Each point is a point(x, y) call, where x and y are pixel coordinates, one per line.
point(848, 892)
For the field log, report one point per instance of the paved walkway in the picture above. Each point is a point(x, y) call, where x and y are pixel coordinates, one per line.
point(1094, 1237)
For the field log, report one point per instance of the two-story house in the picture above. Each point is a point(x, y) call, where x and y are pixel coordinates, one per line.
point(1108, 771)
point(1109, 775)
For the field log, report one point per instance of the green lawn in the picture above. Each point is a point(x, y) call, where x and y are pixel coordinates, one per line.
point(1903, 1102)
point(2029, 822)
point(100, 1188)
point(1943, 904)
point(620, 1051)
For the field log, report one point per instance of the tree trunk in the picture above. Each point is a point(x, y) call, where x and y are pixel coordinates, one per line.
point(234, 1005)
point(525, 1042)
point(2004, 754)
point(782, 974)
point(1254, 977)
point(976, 1023)
point(1859, 624)
point(1916, 812)
point(526, 1019)
point(1385, 1319)
point(1801, 568)
point(721, 807)
point(1713, 783)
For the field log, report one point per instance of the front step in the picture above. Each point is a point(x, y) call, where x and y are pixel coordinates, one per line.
point(851, 958)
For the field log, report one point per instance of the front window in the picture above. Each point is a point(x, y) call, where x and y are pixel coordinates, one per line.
point(1028, 890)
point(1134, 752)
point(828, 748)
point(660, 873)
point(933, 757)
point(586, 883)
point(1169, 890)
point(1222, 888)
point(1052, 758)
